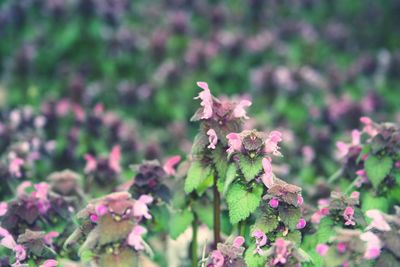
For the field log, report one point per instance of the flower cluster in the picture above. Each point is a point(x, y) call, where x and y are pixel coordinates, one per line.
point(228, 254)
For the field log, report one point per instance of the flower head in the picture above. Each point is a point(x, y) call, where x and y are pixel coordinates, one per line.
point(301, 224)
point(15, 166)
point(378, 221)
point(135, 237)
point(261, 240)
point(271, 144)
point(273, 203)
point(281, 252)
point(373, 245)
point(348, 215)
point(206, 100)
point(234, 142)
point(240, 109)
point(268, 176)
point(91, 163)
point(322, 249)
point(212, 138)
point(140, 208)
point(3, 208)
point(217, 258)
point(170, 164)
point(49, 263)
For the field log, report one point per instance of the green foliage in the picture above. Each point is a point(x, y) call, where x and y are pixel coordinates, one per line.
point(241, 202)
point(250, 167)
point(370, 201)
point(179, 222)
point(196, 175)
point(230, 177)
point(254, 259)
point(377, 169)
point(205, 213)
point(325, 230)
point(220, 160)
point(294, 236)
point(290, 215)
point(267, 221)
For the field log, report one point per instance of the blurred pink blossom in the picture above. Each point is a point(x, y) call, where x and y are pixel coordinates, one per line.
point(206, 100)
point(378, 221)
point(135, 237)
point(234, 143)
point(212, 138)
point(322, 249)
point(115, 158)
point(268, 176)
point(170, 164)
point(240, 109)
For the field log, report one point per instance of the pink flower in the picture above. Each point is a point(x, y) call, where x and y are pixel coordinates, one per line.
point(345, 264)
point(170, 164)
point(238, 241)
point(355, 137)
point(343, 149)
point(135, 237)
point(341, 247)
point(98, 110)
point(114, 159)
point(217, 258)
point(240, 111)
point(317, 216)
point(300, 200)
point(206, 100)
point(308, 154)
point(355, 195)
point(348, 216)
point(91, 163)
point(301, 224)
point(271, 144)
point(49, 263)
point(261, 240)
point(79, 112)
point(3, 208)
point(373, 246)
point(369, 126)
point(22, 187)
point(15, 166)
point(94, 218)
point(101, 210)
point(212, 138)
point(322, 249)
point(281, 252)
point(397, 164)
point(268, 176)
point(9, 242)
point(140, 208)
point(48, 238)
point(378, 221)
point(234, 143)
point(40, 194)
point(62, 107)
point(273, 203)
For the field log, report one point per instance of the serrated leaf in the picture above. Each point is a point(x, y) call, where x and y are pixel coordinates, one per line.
point(290, 215)
point(230, 177)
point(242, 203)
point(254, 259)
point(196, 174)
point(206, 183)
point(377, 169)
point(219, 159)
point(266, 222)
point(324, 231)
point(250, 167)
point(179, 222)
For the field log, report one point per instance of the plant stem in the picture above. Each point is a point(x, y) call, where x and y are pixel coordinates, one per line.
point(217, 213)
point(241, 227)
point(335, 176)
point(194, 241)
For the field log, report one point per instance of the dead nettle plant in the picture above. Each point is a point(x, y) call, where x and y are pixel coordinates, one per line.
point(110, 230)
point(238, 167)
point(371, 164)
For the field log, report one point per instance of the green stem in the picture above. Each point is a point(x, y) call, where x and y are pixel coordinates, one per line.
point(217, 213)
point(242, 227)
point(194, 241)
point(335, 176)
point(351, 186)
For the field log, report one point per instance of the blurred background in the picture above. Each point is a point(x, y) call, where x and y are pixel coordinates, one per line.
point(106, 72)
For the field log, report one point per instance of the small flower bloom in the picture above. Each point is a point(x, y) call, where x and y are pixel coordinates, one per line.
point(234, 143)
point(170, 164)
point(212, 138)
point(368, 126)
point(343, 149)
point(273, 203)
point(94, 218)
point(15, 166)
point(135, 237)
point(114, 159)
point(281, 252)
point(268, 176)
point(301, 224)
point(341, 247)
point(240, 111)
point(373, 246)
point(91, 163)
point(261, 240)
point(101, 210)
point(49, 263)
point(48, 238)
point(378, 221)
point(355, 137)
point(238, 241)
point(217, 258)
point(271, 144)
point(397, 164)
point(3, 208)
point(140, 208)
point(300, 200)
point(355, 195)
point(348, 215)
point(322, 249)
point(308, 154)
point(206, 100)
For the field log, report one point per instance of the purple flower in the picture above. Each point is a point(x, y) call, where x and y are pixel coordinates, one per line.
point(378, 221)
point(49, 263)
point(3, 208)
point(273, 203)
point(15, 166)
point(281, 252)
point(373, 246)
point(114, 159)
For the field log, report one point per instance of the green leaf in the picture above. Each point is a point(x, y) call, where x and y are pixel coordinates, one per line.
point(196, 175)
point(254, 259)
point(179, 222)
point(294, 236)
point(324, 231)
point(220, 161)
point(370, 202)
point(206, 183)
point(266, 222)
point(290, 215)
point(230, 177)
point(86, 256)
point(377, 169)
point(242, 203)
point(205, 213)
point(250, 167)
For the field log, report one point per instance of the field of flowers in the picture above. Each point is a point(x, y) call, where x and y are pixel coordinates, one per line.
point(210, 133)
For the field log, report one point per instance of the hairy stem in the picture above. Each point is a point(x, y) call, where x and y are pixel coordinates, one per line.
point(217, 213)
point(194, 241)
